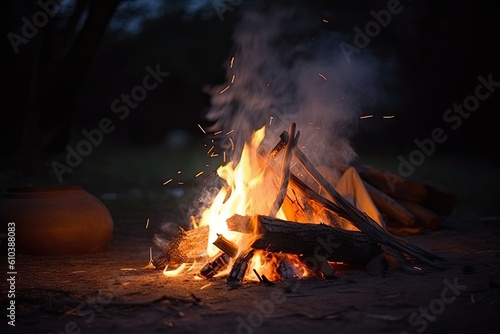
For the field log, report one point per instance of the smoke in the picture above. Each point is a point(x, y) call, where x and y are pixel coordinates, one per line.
point(287, 67)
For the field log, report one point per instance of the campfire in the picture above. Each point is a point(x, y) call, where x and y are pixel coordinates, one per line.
point(277, 218)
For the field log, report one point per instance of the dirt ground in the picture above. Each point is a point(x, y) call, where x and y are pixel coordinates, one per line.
point(111, 292)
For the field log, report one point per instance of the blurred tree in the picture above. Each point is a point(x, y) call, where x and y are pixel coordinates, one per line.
point(52, 45)
point(64, 60)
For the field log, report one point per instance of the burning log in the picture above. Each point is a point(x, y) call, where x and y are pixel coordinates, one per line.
point(365, 224)
point(188, 246)
point(287, 269)
point(229, 250)
point(227, 246)
point(314, 241)
point(239, 269)
point(219, 263)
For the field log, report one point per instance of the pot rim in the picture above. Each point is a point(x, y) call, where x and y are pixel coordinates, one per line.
point(44, 191)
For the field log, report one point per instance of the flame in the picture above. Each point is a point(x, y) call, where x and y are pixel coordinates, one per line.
point(265, 264)
point(245, 194)
point(179, 270)
point(174, 272)
point(249, 190)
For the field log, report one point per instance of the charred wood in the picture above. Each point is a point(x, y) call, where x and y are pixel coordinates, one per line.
point(312, 241)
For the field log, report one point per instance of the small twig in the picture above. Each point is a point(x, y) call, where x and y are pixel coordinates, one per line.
point(327, 316)
point(266, 281)
point(154, 301)
point(258, 276)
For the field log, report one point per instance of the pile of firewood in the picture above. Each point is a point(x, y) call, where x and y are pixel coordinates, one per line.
point(404, 204)
point(408, 205)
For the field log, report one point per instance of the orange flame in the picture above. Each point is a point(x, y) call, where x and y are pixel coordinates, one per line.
point(174, 272)
point(245, 194)
point(249, 190)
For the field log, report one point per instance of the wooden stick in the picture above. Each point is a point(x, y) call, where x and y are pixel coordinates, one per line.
point(227, 246)
point(426, 218)
point(285, 171)
point(393, 184)
point(220, 262)
point(390, 207)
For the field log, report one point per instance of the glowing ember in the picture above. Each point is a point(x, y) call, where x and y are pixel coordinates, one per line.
point(222, 91)
point(201, 128)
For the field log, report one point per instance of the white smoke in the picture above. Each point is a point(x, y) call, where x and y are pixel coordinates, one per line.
point(282, 56)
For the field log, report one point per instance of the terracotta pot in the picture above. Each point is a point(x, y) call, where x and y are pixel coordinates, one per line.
point(51, 220)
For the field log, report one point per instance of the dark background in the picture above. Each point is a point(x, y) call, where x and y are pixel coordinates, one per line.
point(64, 79)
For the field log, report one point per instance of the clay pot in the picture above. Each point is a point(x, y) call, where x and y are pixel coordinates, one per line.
point(53, 220)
